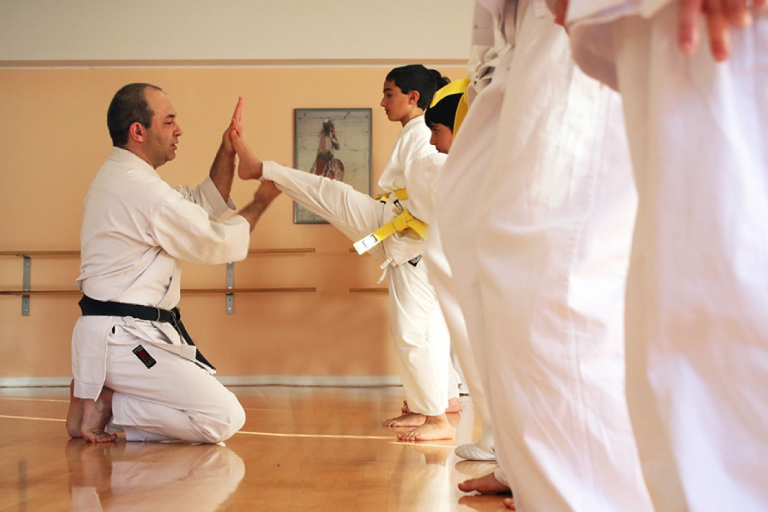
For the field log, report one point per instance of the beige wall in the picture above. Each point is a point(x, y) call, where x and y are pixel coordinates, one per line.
point(256, 30)
point(53, 138)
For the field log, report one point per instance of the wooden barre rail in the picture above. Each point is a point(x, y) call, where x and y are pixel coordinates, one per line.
point(26, 292)
point(39, 253)
point(292, 250)
point(21, 293)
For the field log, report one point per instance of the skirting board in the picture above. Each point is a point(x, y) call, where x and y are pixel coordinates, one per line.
point(350, 381)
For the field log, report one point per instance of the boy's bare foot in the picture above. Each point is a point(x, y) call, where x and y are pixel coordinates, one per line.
point(249, 166)
point(509, 503)
point(409, 419)
point(433, 429)
point(453, 406)
point(75, 413)
point(484, 485)
point(96, 415)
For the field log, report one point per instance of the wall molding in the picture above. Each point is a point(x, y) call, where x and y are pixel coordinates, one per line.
point(341, 381)
point(227, 63)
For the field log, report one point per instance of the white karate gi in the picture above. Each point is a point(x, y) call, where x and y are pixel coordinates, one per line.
point(697, 296)
point(540, 166)
point(135, 230)
point(423, 355)
point(441, 278)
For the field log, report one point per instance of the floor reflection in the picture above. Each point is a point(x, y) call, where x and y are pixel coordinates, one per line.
point(428, 480)
point(151, 476)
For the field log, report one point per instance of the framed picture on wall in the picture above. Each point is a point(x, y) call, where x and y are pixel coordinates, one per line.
point(335, 144)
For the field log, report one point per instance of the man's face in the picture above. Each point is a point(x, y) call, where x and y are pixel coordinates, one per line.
point(163, 136)
point(442, 137)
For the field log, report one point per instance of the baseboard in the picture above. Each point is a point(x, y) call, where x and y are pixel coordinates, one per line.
point(348, 381)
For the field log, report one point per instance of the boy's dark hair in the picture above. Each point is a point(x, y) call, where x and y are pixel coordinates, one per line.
point(128, 106)
point(415, 77)
point(444, 112)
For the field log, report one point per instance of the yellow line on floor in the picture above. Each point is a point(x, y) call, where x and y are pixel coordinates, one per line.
point(28, 418)
point(330, 436)
point(270, 434)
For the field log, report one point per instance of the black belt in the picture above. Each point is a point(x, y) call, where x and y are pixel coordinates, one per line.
point(93, 307)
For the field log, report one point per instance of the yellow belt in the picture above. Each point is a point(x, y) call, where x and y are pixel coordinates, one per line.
point(403, 222)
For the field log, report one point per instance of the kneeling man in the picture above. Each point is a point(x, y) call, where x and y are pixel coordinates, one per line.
point(134, 364)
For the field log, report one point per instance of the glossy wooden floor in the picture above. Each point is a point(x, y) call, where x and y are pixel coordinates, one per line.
point(319, 449)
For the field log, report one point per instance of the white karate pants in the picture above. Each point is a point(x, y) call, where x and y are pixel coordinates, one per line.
point(174, 399)
point(423, 355)
point(556, 207)
point(697, 300)
point(441, 278)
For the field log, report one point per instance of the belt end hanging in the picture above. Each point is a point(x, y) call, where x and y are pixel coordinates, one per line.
point(365, 244)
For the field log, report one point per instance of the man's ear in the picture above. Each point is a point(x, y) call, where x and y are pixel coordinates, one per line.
point(137, 132)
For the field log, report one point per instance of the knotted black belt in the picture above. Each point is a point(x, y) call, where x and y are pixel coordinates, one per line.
point(93, 307)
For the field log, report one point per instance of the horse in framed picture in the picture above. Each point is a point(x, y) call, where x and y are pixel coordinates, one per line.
point(326, 164)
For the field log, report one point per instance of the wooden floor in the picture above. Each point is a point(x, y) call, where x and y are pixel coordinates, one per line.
point(319, 449)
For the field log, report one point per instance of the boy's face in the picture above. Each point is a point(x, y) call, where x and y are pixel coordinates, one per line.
point(397, 105)
point(442, 137)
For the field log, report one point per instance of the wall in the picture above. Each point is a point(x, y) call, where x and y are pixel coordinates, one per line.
point(60, 64)
point(55, 31)
point(53, 138)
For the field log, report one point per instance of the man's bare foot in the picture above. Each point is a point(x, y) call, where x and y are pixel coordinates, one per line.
point(453, 406)
point(484, 485)
point(409, 419)
point(509, 503)
point(96, 415)
point(249, 166)
point(433, 429)
point(75, 413)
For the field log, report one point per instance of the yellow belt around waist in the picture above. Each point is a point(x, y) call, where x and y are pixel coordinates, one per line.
point(403, 222)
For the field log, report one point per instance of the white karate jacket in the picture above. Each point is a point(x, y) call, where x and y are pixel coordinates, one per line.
point(135, 230)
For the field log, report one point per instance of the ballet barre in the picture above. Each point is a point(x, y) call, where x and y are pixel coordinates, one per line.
point(229, 292)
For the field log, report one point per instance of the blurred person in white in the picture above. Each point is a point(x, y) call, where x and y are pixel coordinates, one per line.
point(697, 331)
point(535, 213)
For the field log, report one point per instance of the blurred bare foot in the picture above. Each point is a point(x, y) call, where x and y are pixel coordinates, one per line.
point(484, 485)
